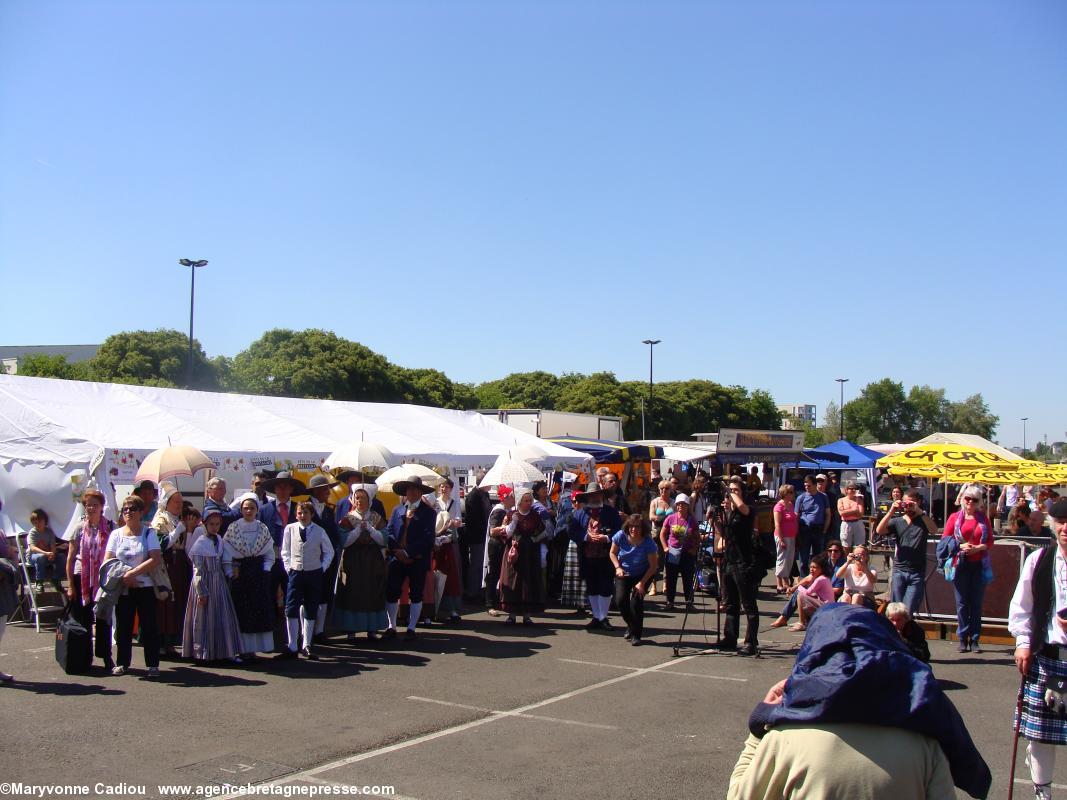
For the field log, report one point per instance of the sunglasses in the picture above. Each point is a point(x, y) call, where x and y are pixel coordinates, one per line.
point(970, 499)
point(131, 510)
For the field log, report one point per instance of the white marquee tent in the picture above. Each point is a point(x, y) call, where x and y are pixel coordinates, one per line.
point(55, 434)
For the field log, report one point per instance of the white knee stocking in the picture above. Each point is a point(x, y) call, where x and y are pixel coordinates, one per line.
point(390, 613)
point(414, 612)
point(1042, 760)
point(320, 619)
point(293, 625)
point(309, 628)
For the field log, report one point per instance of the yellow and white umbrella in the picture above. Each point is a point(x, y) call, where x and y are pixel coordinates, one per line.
point(924, 458)
point(169, 462)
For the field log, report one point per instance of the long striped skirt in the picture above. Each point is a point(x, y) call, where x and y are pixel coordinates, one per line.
point(573, 595)
point(210, 632)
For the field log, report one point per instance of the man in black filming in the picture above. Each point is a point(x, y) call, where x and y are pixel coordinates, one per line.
point(740, 570)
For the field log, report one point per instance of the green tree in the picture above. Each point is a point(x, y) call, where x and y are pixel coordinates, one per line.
point(930, 411)
point(315, 363)
point(54, 367)
point(431, 387)
point(521, 390)
point(151, 358)
point(600, 393)
point(972, 416)
point(880, 413)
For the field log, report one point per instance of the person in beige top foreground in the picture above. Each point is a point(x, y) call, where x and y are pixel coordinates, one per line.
point(860, 718)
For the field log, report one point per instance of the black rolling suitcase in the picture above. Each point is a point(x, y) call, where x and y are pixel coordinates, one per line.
point(74, 646)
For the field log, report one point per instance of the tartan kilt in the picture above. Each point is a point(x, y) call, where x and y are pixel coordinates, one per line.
point(573, 595)
point(1039, 722)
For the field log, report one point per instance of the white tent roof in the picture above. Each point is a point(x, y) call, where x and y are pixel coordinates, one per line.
point(971, 440)
point(53, 421)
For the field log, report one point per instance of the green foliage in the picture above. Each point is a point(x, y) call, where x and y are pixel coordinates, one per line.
point(431, 387)
point(54, 367)
point(315, 363)
point(883, 413)
point(151, 358)
point(521, 390)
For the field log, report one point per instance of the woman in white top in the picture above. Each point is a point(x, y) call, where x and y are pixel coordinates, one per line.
point(136, 546)
point(859, 578)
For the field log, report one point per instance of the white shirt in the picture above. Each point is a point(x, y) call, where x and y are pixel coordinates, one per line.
point(315, 553)
point(1022, 602)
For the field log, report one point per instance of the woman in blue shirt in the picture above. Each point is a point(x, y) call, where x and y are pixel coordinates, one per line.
point(635, 558)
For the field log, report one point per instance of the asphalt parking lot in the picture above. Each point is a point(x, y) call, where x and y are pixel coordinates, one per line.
point(474, 712)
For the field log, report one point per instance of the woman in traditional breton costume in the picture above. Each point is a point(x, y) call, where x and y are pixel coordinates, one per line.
point(247, 558)
point(573, 594)
point(172, 539)
point(522, 588)
point(211, 632)
point(359, 596)
point(446, 552)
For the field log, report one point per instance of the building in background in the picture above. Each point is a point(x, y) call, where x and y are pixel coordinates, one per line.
point(12, 355)
point(797, 415)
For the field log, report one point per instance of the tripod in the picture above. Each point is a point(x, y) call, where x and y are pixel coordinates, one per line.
point(702, 560)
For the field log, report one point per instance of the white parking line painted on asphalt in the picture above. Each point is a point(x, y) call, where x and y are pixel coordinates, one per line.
point(466, 726)
point(515, 714)
point(1026, 782)
point(40, 649)
point(654, 669)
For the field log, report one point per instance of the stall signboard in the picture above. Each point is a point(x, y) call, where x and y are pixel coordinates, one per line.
point(758, 443)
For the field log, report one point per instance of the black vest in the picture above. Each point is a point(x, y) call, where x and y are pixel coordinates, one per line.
point(1043, 592)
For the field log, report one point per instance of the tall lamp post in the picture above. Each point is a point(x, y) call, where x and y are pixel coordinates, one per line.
point(1024, 431)
point(651, 343)
point(841, 408)
point(185, 262)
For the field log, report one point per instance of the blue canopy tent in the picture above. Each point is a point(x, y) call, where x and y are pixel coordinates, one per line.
point(855, 457)
point(606, 451)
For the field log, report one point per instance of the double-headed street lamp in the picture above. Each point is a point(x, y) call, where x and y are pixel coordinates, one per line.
point(651, 343)
point(185, 262)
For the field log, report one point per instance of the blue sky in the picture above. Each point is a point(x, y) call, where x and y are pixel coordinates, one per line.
point(783, 192)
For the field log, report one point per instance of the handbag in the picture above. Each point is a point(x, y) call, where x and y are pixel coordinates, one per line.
point(948, 567)
point(73, 644)
point(674, 555)
point(987, 571)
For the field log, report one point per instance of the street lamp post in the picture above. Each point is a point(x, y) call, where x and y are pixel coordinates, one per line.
point(185, 262)
point(651, 343)
point(841, 408)
point(1024, 431)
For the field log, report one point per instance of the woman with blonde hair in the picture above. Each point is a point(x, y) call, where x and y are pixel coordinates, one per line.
point(658, 510)
point(785, 537)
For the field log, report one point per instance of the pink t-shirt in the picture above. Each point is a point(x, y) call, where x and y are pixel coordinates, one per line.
point(970, 530)
point(789, 519)
point(821, 588)
point(681, 532)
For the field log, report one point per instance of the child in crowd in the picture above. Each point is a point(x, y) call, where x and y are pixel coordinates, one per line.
point(47, 559)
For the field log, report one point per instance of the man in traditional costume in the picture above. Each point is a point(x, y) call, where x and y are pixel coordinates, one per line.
point(411, 532)
point(319, 488)
point(591, 527)
point(1037, 618)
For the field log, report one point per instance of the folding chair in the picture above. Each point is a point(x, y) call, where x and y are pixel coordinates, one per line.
point(35, 608)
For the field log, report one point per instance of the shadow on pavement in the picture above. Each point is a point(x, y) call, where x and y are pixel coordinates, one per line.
point(189, 677)
point(951, 686)
point(61, 689)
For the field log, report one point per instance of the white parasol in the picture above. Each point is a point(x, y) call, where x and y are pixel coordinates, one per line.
point(360, 455)
point(169, 462)
point(511, 470)
point(405, 472)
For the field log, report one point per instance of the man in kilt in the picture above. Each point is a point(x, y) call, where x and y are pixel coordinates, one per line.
point(1038, 621)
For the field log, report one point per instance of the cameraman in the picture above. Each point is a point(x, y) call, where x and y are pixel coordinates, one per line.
point(740, 577)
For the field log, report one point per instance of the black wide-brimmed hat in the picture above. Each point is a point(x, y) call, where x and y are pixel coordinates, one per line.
point(584, 497)
point(347, 474)
point(401, 487)
point(285, 477)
